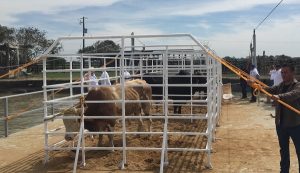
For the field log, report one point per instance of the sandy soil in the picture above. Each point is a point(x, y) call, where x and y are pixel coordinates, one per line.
point(245, 142)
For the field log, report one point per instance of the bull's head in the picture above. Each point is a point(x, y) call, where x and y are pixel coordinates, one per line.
point(71, 125)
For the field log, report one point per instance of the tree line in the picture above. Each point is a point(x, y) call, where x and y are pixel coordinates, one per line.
point(32, 41)
point(264, 63)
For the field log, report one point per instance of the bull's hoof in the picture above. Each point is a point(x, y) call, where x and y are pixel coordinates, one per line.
point(208, 166)
point(122, 165)
point(82, 165)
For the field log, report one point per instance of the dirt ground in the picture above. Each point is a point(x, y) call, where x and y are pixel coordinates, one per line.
point(245, 142)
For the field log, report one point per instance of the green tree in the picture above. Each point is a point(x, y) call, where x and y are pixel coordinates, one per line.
point(101, 47)
point(32, 42)
point(105, 46)
point(6, 34)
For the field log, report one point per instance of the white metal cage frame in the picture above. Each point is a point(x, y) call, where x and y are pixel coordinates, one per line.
point(161, 56)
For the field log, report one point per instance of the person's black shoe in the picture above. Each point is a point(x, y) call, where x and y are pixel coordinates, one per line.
point(252, 101)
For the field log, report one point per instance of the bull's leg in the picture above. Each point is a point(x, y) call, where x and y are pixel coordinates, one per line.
point(111, 137)
point(101, 128)
point(147, 113)
point(179, 109)
point(149, 125)
point(100, 141)
point(140, 126)
point(175, 109)
point(147, 110)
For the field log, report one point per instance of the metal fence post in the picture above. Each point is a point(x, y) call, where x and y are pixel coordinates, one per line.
point(5, 117)
point(52, 104)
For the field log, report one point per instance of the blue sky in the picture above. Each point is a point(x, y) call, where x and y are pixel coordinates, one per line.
point(225, 25)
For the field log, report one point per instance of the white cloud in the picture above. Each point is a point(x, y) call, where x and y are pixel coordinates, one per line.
point(203, 24)
point(10, 8)
point(111, 29)
point(218, 6)
point(124, 29)
point(277, 37)
point(199, 8)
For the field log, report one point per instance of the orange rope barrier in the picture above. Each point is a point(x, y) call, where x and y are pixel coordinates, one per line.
point(19, 69)
point(257, 84)
point(19, 113)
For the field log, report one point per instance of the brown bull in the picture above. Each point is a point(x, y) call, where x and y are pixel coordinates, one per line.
point(134, 90)
point(145, 92)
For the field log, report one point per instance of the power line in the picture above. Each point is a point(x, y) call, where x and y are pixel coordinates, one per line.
point(268, 14)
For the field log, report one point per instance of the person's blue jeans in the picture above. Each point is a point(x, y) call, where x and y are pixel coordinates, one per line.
point(284, 135)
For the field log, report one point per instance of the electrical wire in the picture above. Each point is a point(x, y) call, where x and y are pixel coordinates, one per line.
point(261, 22)
point(268, 14)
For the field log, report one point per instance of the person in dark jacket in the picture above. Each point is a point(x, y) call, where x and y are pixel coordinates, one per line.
point(287, 121)
point(243, 84)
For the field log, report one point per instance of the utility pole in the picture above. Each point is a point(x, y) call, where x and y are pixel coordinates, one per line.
point(131, 62)
point(84, 30)
point(251, 53)
point(132, 42)
point(254, 61)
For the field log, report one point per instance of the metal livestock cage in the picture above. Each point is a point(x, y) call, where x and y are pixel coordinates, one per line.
point(177, 67)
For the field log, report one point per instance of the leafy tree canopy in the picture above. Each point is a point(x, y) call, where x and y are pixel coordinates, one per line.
point(101, 47)
point(6, 34)
point(31, 41)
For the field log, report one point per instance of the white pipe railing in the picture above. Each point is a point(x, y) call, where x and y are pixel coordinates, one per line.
point(158, 56)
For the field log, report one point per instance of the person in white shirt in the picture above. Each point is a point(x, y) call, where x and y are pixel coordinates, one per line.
point(254, 74)
point(271, 73)
point(91, 79)
point(104, 78)
point(127, 75)
point(277, 76)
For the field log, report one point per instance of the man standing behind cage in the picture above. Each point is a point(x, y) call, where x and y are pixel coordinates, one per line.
point(127, 75)
point(104, 78)
point(90, 78)
point(254, 74)
point(277, 78)
point(243, 84)
point(287, 121)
